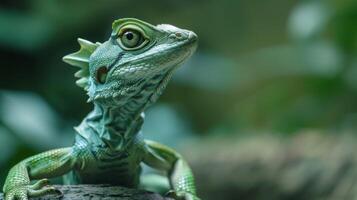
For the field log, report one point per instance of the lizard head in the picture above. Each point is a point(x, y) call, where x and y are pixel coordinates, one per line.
point(136, 61)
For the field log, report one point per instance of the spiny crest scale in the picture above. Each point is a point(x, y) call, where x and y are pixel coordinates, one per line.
point(81, 59)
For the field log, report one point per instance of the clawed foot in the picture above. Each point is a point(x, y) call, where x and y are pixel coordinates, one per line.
point(38, 189)
point(182, 195)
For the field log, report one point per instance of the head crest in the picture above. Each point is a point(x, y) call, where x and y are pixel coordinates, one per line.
point(81, 59)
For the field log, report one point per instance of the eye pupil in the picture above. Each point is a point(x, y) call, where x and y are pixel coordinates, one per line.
point(129, 35)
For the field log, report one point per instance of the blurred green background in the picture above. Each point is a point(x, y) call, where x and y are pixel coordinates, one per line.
point(277, 67)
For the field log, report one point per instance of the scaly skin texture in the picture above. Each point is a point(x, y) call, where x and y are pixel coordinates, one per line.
point(122, 77)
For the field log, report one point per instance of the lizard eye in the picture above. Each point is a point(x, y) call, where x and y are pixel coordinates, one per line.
point(131, 39)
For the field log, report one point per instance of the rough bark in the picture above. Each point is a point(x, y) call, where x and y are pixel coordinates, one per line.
point(94, 192)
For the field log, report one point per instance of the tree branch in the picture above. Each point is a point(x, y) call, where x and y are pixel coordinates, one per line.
point(83, 192)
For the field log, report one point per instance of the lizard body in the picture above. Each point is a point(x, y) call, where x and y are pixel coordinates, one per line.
point(122, 77)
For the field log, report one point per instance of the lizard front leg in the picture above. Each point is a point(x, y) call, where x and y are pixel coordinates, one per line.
point(42, 166)
point(180, 175)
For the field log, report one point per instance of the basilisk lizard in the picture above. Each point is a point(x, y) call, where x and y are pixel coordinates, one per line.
point(122, 77)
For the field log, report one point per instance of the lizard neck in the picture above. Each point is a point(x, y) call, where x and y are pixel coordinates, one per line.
point(115, 126)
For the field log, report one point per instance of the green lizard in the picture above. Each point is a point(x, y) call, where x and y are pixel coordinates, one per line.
point(122, 76)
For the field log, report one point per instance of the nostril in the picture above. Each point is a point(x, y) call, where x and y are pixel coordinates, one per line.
point(178, 35)
point(101, 75)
